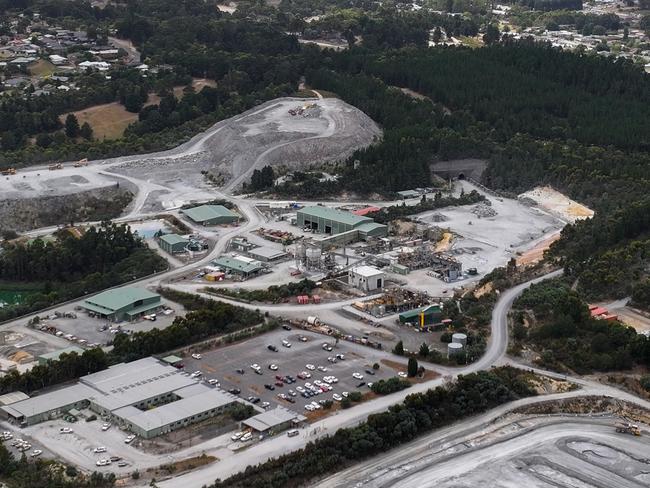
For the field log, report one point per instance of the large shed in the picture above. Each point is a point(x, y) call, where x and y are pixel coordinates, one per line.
point(127, 303)
point(326, 220)
point(210, 215)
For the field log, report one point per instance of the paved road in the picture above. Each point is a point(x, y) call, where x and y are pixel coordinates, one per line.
point(345, 418)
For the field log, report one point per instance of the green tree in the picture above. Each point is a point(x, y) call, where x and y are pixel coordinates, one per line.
point(86, 131)
point(412, 369)
point(492, 34)
point(71, 126)
point(424, 350)
point(399, 348)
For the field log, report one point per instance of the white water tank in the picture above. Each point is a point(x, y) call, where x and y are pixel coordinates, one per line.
point(459, 338)
point(454, 348)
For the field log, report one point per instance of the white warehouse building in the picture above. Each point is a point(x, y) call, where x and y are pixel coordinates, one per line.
point(366, 278)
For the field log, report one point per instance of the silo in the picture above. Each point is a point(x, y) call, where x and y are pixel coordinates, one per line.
point(459, 338)
point(313, 257)
point(454, 348)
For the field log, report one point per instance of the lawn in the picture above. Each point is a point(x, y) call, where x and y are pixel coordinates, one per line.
point(41, 68)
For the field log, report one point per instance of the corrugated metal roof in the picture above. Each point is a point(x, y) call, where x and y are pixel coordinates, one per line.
point(203, 213)
point(267, 252)
point(172, 239)
point(181, 409)
point(417, 311)
point(365, 211)
point(270, 419)
point(54, 400)
point(237, 264)
point(366, 271)
point(370, 226)
point(54, 355)
point(112, 300)
point(328, 213)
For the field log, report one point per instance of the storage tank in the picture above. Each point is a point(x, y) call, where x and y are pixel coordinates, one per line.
point(454, 348)
point(313, 320)
point(459, 338)
point(313, 257)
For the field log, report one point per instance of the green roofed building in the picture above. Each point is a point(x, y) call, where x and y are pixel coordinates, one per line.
point(55, 355)
point(429, 315)
point(210, 215)
point(172, 243)
point(239, 265)
point(127, 303)
point(327, 220)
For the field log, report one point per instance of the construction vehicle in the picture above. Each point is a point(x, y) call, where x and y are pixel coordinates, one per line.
point(52, 167)
point(81, 162)
point(628, 428)
point(9, 172)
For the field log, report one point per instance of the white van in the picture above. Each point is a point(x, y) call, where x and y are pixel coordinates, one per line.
point(293, 432)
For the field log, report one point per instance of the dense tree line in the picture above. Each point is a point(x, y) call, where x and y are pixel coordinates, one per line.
point(418, 414)
point(388, 214)
point(210, 318)
point(567, 337)
point(206, 318)
point(70, 267)
point(274, 293)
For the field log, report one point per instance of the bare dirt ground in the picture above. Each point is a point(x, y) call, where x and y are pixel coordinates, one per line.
point(108, 120)
point(265, 135)
point(558, 204)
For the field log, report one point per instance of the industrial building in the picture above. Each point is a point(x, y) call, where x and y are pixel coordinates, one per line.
point(55, 355)
point(173, 243)
point(274, 421)
point(422, 317)
point(331, 221)
point(127, 303)
point(366, 278)
point(148, 397)
point(210, 215)
point(238, 265)
point(267, 254)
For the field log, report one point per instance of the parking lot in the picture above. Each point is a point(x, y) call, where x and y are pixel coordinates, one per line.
point(85, 330)
point(222, 364)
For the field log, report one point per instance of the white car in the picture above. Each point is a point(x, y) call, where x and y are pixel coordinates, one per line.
point(345, 394)
point(357, 376)
point(306, 374)
point(303, 339)
point(99, 449)
point(255, 367)
point(265, 404)
point(310, 367)
point(402, 374)
point(286, 343)
point(273, 367)
point(309, 407)
point(331, 359)
point(197, 356)
point(36, 452)
point(322, 368)
point(65, 430)
point(214, 381)
point(129, 439)
point(369, 385)
point(103, 462)
point(246, 437)
point(300, 389)
point(337, 397)
point(106, 426)
point(317, 406)
point(236, 436)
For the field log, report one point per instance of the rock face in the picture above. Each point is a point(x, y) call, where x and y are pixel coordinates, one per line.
point(31, 213)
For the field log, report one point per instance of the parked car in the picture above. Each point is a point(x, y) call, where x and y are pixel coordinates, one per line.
point(286, 327)
point(293, 433)
point(357, 376)
point(273, 348)
point(129, 439)
point(106, 426)
point(196, 356)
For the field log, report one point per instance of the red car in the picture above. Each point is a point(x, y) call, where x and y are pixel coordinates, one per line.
point(301, 376)
point(279, 383)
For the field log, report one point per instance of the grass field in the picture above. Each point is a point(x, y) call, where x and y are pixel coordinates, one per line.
point(111, 119)
point(108, 120)
point(41, 68)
